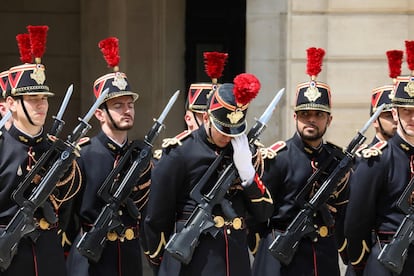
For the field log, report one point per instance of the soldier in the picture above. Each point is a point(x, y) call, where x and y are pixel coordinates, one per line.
point(288, 165)
point(180, 169)
point(377, 184)
point(196, 103)
point(122, 253)
point(39, 252)
point(385, 125)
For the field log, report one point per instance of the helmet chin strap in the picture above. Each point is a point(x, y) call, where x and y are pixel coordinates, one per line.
point(399, 122)
point(105, 106)
point(25, 111)
point(382, 130)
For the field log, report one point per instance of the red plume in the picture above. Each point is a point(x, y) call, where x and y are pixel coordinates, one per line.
point(38, 40)
point(246, 88)
point(110, 50)
point(214, 63)
point(23, 42)
point(315, 58)
point(395, 58)
point(409, 46)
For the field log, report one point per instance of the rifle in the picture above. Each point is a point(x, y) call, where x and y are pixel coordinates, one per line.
point(182, 244)
point(93, 242)
point(394, 254)
point(23, 222)
point(285, 244)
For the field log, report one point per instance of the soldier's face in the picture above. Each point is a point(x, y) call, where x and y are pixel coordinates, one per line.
point(312, 124)
point(216, 136)
point(385, 125)
point(122, 112)
point(405, 117)
point(36, 107)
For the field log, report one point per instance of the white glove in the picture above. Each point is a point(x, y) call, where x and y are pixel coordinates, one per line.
point(242, 158)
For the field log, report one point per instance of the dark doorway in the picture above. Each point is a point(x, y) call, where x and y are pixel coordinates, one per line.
point(215, 25)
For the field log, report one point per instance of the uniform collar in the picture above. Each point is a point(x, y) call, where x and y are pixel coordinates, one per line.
point(25, 138)
point(297, 140)
point(402, 144)
point(109, 143)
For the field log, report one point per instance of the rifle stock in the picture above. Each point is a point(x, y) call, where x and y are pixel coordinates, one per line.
point(93, 242)
point(394, 254)
point(23, 221)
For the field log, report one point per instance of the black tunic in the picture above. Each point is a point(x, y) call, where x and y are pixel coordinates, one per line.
point(45, 256)
point(174, 176)
point(98, 158)
point(286, 173)
point(376, 185)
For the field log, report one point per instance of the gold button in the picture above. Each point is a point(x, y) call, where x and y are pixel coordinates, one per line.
point(129, 234)
point(237, 223)
point(43, 224)
point(323, 231)
point(219, 221)
point(112, 236)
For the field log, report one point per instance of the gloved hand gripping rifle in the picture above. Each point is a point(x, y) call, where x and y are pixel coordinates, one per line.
point(93, 242)
point(285, 244)
point(63, 153)
point(182, 244)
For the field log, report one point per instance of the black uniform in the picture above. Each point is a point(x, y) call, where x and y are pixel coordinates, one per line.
point(170, 205)
point(98, 158)
point(376, 185)
point(286, 173)
point(18, 154)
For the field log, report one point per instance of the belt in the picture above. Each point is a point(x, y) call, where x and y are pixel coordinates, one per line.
point(238, 223)
point(128, 233)
point(322, 231)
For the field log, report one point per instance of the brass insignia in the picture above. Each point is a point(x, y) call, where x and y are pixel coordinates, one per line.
point(129, 234)
point(404, 147)
point(43, 224)
point(235, 116)
point(219, 221)
point(39, 140)
point(237, 223)
point(119, 81)
point(112, 236)
point(111, 147)
point(23, 139)
point(409, 88)
point(323, 231)
point(312, 93)
point(38, 74)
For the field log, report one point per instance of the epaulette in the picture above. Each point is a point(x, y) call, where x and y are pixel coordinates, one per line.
point(167, 142)
point(374, 150)
point(84, 141)
point(360, 149)
point(271, 152)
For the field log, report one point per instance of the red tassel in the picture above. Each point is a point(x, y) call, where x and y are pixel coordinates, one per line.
point(23, 42)
point(38, 40)
point(315, 58)
point(409, 46)
point(110, 50)
point(246, 88)
point(395, 58)
point(214, 63)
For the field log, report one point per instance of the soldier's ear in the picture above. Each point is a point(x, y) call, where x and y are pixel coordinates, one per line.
point(99, 114)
